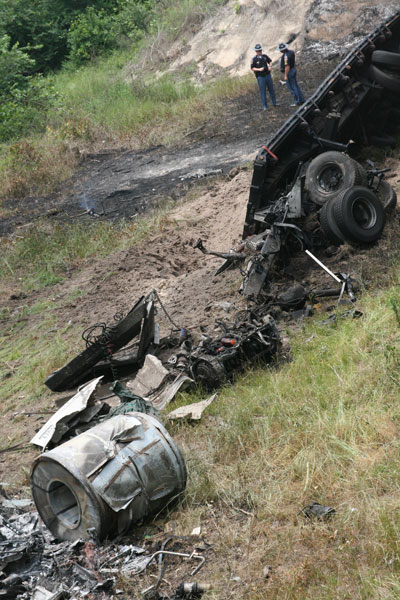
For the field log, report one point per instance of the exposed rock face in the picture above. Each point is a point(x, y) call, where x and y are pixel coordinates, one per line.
point(325, 29)
point(325, 23)
point(227, 39)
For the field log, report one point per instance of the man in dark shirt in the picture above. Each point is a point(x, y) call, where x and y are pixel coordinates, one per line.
point(288, 68)
point(261, 67)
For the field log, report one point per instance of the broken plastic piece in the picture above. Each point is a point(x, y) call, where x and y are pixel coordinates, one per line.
point(318, 511)
point(57, 425)
point(118, 336)
point(150, 377)
point(191, 411)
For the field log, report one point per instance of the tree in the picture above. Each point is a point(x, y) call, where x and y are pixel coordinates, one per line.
point(42, 26)
point(23, 96)
point(15, 67)
point(90, 34)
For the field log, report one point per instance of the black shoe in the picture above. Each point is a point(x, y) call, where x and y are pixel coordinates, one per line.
point(277, 104)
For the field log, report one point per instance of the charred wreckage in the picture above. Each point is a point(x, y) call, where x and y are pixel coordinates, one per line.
point(307, 192)
point(107, 465)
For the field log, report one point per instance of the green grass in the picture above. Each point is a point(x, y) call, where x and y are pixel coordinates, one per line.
point(99, 102)
point(46, 253)
point(324, 428)
point(28, 354)
point(100, 94)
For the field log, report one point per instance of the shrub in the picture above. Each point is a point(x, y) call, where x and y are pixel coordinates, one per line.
point(133, 19)
point(23, 111)
point(23, 98)
point(90, 35)
point(15, 65)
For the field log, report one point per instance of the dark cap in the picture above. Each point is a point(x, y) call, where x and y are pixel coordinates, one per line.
point(257, 47)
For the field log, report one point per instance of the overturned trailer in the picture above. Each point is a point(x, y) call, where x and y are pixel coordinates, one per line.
point(306, 191)
point(358, 101)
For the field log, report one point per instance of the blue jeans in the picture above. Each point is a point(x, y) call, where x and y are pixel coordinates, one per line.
point(293, 86)
point(264, 83)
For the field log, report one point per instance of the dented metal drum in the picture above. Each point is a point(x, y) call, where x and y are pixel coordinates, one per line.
point(104, 480)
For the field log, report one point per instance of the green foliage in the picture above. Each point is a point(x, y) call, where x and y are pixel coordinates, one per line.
point(24, 110)
point(132, 19)
point(15, 65)
point(42, 26)
point(90, 34)
point(23, 98)
point(49, 28)
point(96, 31)
point(37, 25)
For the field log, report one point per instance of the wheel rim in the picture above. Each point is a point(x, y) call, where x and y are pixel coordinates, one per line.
point(330, 178)
point(364, 213)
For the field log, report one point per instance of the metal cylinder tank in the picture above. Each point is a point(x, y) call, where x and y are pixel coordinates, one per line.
point(101, 482)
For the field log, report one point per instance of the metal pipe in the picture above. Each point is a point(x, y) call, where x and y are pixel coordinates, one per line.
point(321, 264)
point(182, 554)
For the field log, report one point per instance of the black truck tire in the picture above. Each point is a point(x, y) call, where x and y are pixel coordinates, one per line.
point(387, 60)
point(328, 224)
point(362, 174)
point(387, 196)
point(389, 82)
point(328, 174)
point(359, 214)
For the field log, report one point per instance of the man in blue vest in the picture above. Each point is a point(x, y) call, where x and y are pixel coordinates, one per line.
point(261, 67)
point(288, 68)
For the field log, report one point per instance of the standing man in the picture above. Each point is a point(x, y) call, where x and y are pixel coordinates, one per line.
point(288, 67)
point(261, 67)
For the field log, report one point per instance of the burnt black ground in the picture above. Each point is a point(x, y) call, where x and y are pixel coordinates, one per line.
point(121, 184)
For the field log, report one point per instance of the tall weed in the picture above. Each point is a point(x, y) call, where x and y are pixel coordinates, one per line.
point(143, 111)
point(35, 165)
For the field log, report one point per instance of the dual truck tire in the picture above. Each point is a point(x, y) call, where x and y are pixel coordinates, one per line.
point(350, 210)
point(355, 215)
point(385, 70)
